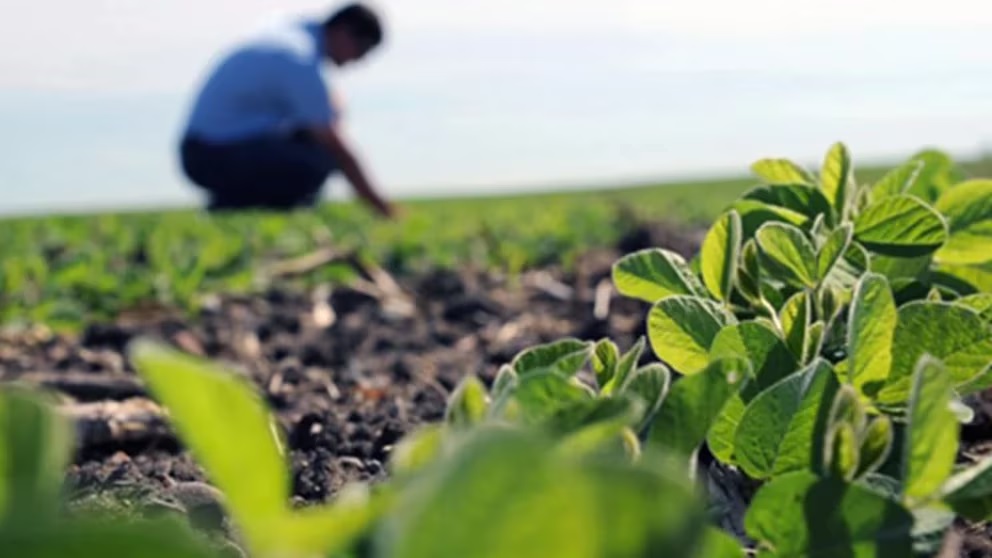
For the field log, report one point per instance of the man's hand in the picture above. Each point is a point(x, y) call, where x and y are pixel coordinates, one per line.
point(332, 138)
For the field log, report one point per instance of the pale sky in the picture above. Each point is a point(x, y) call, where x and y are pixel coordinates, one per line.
point(472, 92)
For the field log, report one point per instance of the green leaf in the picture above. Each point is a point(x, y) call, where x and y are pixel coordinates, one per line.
point(567, 356)
point(239, 452)
point(837, 178)
point(966, 279)
point(692, 405)
point(35, 448)
point(506, 381)
point(650, 384)
point(795, 319)
point(718, 544)
point(88, 537)
point(502, 493)
point(771, 360)
point(870, 332)
point(682, 328)
point(833, 249)
point(782, 171)
point(800, 199)
point(848, 408)
point(540, 395)
point(788, 254)
point(416, 450)
point(626, 366)
point(931, 433)
point(897, 181)
point(981, 303)
point(900, 226)
point(968, 210)
point(800, 515)
point(954, 334)
point(876, 443)
point(719, 255)
point(777, 431)
point(653, 274)
point(605, 358)
point(936, 176)
point(754, 214)
point(615, 412)
point(896, 269)
point(467, 404)
point(331, 529)
point(969, 492)
point(721, 437)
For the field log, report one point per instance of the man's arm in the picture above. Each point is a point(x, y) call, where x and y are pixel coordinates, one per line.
point(332, 138)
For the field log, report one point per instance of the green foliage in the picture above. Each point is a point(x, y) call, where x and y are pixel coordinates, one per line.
point(800, 514)
point(36, 443)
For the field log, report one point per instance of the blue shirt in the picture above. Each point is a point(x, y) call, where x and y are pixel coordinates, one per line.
point(270, 84)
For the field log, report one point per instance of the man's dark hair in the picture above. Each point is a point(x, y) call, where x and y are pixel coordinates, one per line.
point(360, 20)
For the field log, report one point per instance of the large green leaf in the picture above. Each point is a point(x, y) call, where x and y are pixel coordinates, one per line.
point(782, 172)
point(872, 320)
point(770, 358)
point(502, 493)
point(788, 254)
point(238, 448)
point(968, 210)
point(35, 447)
point(693, 403)
point(969, 492)
point(780, 430)
point(682, 328)
point(932, 432)
point(800, 515)
point(719, 255)
point(837, 178)
point(954, 334)
point(566, 356)
point(653, 274)
point(901, 226)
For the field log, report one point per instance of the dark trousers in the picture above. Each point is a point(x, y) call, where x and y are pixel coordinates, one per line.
point(275, 173)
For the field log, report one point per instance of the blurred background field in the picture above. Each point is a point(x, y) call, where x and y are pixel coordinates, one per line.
point(66, 270)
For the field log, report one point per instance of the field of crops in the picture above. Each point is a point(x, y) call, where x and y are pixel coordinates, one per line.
point(794, 363)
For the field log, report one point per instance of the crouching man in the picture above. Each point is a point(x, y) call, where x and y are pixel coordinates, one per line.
point(263, 132)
